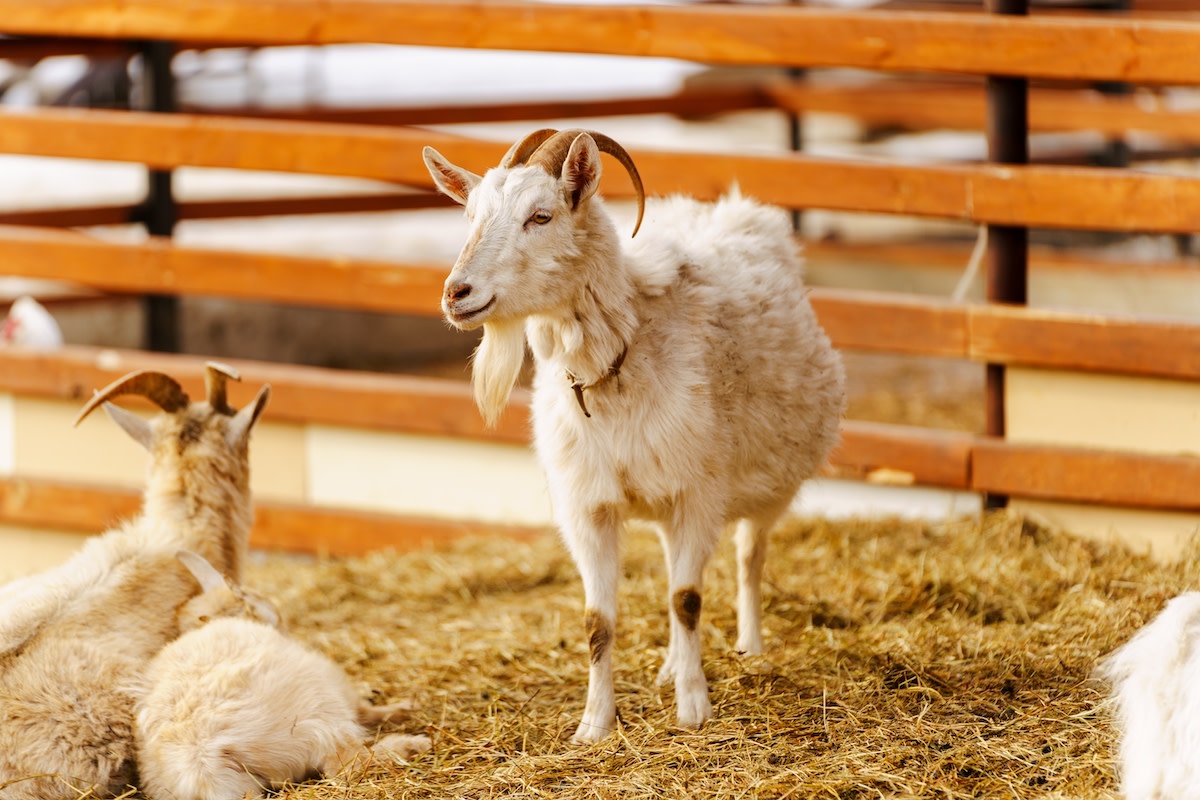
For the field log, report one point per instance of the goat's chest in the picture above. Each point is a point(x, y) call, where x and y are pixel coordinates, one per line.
point(641, 446)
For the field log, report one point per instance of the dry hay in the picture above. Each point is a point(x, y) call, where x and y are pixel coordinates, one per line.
point(904, 660)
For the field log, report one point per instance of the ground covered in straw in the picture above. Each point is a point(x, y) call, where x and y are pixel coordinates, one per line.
point(904, 660)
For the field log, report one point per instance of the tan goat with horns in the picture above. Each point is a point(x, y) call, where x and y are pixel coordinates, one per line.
point(683, 379)
point(73, 637)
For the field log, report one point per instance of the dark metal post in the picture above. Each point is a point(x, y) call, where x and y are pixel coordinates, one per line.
point(1008, 245)
point(158, 212)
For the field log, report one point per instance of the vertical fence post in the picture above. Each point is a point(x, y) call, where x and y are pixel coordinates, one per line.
point(159, 214)
point(1008, 245)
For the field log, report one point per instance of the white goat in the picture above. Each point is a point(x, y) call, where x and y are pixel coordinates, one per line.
point(1156, 688)
point(234, 707)
point(69, 637)
point(684, 380)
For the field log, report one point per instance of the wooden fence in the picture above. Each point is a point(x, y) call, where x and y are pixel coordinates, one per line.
point(1067, 51)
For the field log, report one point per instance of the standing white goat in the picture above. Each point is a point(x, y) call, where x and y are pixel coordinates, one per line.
point(1156, 688)
point(235, 707)
point(71, 636)
point(684, 380)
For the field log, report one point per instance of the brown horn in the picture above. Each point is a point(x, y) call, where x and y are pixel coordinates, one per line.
point(553, 152)
point(520, 152)
point(162, 390)
point(215, 376)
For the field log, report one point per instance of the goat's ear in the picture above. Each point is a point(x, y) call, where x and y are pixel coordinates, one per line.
point(454, 182)
point(205, 573)
point(239, 427)
point(581, 170)
point(137, 428)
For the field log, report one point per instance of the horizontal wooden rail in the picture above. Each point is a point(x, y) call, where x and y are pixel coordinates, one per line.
point(428, 406)
point(936, 458)
point(287, 527)
point(158, 267)
point(923, 105)
point(1140, 50)
point(701, 101)
point(854, 319)
point(1041, 196)
point(930, 457)
point(1086, 476)
point(85, 216)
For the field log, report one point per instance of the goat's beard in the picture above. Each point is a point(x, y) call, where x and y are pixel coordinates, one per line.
point(496, 366)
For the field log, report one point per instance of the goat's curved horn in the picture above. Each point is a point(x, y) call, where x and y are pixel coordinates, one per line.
point(215, 376)
point(553, 152)
point(520, 152)
point(160, 389)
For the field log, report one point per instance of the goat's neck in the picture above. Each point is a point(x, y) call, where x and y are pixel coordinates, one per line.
point(205, 507)
point(592, 332)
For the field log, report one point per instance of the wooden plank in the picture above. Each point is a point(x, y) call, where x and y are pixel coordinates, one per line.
point(400, 403)
point(277, 526)
point(158, 267)
point(892, 322)
point(1128, 48)
point(36, 48)
point(1105, 343)
point(698, 102)
point(922, 105)
point(1042, 196)
point(1086, 476)
point(934, 458)
point(86, 216)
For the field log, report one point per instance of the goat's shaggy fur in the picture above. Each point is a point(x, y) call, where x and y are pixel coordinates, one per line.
point(683, 379)
point(1156, 688)
point(71, 637)
point(234, 707)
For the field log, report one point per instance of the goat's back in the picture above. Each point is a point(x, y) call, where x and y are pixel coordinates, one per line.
point(729, 374)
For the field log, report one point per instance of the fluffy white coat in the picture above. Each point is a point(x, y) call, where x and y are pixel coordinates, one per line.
point(707, 390)
point(1156, 691)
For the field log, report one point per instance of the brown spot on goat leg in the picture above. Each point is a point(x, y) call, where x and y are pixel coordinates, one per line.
point(687, 607)
point(599, 633)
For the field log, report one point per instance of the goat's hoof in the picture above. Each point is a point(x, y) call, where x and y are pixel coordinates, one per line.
point(750, 647)
point(588, 733)
point(403, 745)
point(693, 710)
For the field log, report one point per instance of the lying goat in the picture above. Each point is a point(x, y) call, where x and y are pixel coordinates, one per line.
point(683, 379)
point(71, 636)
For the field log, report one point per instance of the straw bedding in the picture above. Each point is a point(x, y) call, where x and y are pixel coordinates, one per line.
point(904, 660)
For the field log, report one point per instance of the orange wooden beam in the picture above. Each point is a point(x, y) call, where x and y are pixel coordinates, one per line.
point(1070, 197)
point(1086, 476)
point(1128, 48)
point(45, 503)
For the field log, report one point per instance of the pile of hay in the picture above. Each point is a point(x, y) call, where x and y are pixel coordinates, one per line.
point(904, 660)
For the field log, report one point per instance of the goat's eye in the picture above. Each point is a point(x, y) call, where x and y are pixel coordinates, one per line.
point(541, 216)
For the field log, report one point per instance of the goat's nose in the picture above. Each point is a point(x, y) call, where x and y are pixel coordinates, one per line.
point(457, 291)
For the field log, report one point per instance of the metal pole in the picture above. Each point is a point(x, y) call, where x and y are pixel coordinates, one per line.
point(159, 213)
point(1008, 245)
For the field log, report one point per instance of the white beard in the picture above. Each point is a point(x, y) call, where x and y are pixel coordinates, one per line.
point(496, 366)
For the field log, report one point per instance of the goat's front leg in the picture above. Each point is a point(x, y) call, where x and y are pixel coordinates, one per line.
point(687, 549)
point(595, 547)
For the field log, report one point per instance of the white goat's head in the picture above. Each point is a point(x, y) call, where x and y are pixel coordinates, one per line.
point(527, 229)
point(523, 216)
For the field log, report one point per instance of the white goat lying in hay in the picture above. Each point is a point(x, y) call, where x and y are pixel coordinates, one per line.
point(71, 636)
point(1156, 687)
point(684, 380)
point(234, 707)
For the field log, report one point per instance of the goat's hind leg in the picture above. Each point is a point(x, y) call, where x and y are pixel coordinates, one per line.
point(751, 541)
